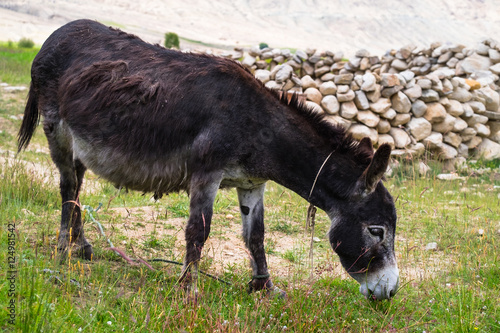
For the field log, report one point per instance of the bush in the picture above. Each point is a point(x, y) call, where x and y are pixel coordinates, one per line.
point(263, 46)
point(171, 40)
point(25, 43)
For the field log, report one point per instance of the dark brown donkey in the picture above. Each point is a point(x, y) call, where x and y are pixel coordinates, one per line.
point(157, 120)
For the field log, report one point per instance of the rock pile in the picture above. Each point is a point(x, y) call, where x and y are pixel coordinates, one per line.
point(443, 99)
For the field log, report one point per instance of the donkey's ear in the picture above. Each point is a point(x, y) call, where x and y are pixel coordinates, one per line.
point(366, 146)
point(368, 181)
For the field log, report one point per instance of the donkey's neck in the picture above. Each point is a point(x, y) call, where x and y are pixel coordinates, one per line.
point(309, 165)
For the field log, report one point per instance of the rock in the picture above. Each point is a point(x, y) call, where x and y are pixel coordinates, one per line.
point(459, 125)
point(399, 64)
point(389, 80)
point(474, 142)
point(429, 95)
point(433, 141)
point(494, 56)
point(495, 131)
point(308, 82)
point(495, 69)
point(468, 133)
point(343, 89)
point(435, 113)
point(374, 96)
point(248, 61)
point(359, 131)
point(283, 73)
point(389, 114)
point(263, 75)
point(369, 82)
point(463, 150)
point(388, 92)
point(447, 152)
point(321, 71)
point(477, 119)
point(413, 93)
point(328, 88)
point(313, 95)
point(347, 97)
point(491, 98)
point(453, 139)
point(488, 150)
point(273, 85)
point(401, 103)
point(423, 168)
point(330, 104)
point(401, 138)
point(314, 106)
point(407, 75)
point(433, 246)
point(454, 108)
point(348, 110)
point(338, 121)
point(482, 130)
point(368, 118)
point(418, 108)
point(449, 176)
point(419, 128)
point(344, 78)
point(361, 100)
point(400, 119)
point(477, 106)
point(381, 106)
point(386, 138)
point(461, 94)
point(475, 62)
point(473, 84)
point(424, 84)
point(444, 126)
point(383, 126)
point(468, 112)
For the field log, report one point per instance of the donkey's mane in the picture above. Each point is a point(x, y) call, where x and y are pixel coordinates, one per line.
point(336, 135)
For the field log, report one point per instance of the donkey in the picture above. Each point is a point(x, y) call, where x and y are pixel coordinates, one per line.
point(157, 120)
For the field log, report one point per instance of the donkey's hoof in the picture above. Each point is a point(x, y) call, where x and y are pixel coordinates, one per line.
point(277, 292)
point(85, 252)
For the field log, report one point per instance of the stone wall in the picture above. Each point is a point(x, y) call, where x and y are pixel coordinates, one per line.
point(443, 99)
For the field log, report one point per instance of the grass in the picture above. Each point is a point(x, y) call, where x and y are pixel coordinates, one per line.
point(453, 289)
point(15, 63)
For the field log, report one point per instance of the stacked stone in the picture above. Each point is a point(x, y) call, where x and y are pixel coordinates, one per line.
point(444, 99)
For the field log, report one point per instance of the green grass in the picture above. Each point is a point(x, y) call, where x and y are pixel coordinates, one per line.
point(453, 289)
point(15, 64)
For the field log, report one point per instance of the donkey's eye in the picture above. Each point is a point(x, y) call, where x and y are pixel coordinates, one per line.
point(377, 231)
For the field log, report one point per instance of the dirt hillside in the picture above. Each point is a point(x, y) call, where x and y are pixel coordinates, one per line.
point(337, 25)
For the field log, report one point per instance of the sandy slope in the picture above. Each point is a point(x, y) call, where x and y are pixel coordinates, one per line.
point(333, 24)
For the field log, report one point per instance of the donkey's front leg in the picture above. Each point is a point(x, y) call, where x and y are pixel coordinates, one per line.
point(252, 213)
point(203, 190)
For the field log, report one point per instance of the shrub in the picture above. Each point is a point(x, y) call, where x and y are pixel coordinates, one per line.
point(171, 40)
point(263, 45)
point(25, 43)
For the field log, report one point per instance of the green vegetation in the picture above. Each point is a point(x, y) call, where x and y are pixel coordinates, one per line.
point(15, 63)
point(171, 40)
point(263, 46)
point(25, 43)
point(453, 289)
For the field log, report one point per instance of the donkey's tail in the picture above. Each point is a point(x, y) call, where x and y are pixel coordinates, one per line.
point(30, 120)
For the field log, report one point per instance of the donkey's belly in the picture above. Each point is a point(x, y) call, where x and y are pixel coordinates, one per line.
point(127, 169)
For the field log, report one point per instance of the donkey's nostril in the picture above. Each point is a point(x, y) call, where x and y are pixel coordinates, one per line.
point(392, 292)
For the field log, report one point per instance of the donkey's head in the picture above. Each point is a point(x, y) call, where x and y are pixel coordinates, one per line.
point(363, 230)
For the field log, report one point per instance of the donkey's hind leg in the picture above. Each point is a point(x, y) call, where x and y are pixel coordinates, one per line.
point(252, 214)
point(71, 178)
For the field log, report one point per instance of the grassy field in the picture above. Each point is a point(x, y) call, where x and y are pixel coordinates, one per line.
point(453, 288)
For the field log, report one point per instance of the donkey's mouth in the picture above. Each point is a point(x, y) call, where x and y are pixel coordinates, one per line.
point(379, 285)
